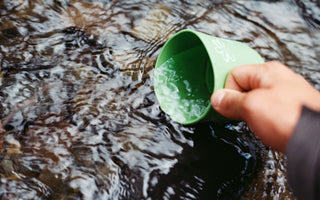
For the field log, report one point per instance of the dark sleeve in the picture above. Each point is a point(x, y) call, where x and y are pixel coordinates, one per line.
point(303, 154)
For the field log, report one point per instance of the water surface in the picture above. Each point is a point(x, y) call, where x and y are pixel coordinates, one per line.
point(79, 117)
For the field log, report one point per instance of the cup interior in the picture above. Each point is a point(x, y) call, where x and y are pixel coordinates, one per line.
point(184, 78)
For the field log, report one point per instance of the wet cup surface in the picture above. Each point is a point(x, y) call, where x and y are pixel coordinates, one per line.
point(190, 67)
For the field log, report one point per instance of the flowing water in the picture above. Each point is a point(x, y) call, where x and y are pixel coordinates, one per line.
point(79, 117)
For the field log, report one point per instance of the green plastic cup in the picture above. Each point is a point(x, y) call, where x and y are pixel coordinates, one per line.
point(190, 67)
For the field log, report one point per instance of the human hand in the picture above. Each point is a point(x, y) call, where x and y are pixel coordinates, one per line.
point(269, 97)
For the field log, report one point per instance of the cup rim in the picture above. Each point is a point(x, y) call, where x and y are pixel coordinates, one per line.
point(158, 63)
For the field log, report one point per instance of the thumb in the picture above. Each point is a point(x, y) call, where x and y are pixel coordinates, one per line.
point(228, 103)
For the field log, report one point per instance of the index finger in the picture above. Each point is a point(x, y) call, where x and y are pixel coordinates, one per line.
point(248, 77)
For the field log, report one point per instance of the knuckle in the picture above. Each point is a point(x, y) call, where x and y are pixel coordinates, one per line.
point(273, 64)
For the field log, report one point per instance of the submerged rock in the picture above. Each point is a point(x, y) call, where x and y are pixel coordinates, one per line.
point(157, 26)
point(95, 18)
point(270, 182)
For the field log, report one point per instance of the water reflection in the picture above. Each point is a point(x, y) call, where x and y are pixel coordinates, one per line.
point(79, 116)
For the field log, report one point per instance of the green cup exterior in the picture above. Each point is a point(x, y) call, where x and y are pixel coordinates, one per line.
point(221, 54)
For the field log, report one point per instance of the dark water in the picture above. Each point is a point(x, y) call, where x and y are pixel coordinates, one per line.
point(79, 116)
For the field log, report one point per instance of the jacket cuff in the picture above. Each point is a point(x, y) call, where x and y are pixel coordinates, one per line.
point(303, 155)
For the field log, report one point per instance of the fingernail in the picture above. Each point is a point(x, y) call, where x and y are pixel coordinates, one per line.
point(217, 98)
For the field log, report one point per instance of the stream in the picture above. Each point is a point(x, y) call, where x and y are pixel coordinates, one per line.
point(79, 118)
